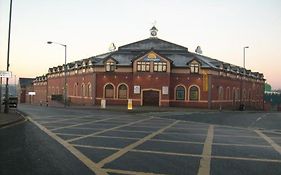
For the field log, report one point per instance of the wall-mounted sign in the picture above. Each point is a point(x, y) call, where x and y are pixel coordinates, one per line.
point(136, 89)
point(5, 74)
point(165, 90)
point(151, 57)
point(31, 93)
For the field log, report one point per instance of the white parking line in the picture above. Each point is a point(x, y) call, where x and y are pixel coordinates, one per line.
point(205, 162)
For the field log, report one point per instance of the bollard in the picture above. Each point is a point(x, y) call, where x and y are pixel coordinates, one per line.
point(130, 104)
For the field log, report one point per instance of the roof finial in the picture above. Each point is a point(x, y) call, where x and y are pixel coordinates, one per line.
point(153, 30)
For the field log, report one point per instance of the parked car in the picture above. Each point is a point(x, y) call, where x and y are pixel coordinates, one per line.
point(13, 101)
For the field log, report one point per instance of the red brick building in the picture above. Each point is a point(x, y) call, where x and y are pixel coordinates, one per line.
point(153, 72)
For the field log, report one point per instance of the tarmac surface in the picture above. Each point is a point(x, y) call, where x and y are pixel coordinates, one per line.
point(10, 118)
point(116, 142)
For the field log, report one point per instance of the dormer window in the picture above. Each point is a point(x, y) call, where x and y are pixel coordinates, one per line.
point(159, 67)
point(110, 66)
point(194, 67)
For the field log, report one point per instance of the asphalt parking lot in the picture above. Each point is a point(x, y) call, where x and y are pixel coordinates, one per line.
point(123, 143)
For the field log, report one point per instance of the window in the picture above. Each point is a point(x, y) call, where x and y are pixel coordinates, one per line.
point(89, 90)
point(143, 66)
point(220, 97)
point(110, 66)
point(194, 67)
point(75, 90)
point(194, 93)
point(160, 67)
point(83, 90)
point(109, 91)
point(180, 93)
point(122, 91)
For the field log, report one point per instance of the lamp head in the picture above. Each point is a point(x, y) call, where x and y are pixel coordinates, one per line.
point(49, 42)
point(246, 47)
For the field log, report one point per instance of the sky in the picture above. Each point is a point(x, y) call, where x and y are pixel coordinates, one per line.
point(221, 27)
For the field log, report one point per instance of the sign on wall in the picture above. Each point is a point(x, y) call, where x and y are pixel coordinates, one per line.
point(5, 74)
point(165, 90)
point(31, 93)
point(136, 89)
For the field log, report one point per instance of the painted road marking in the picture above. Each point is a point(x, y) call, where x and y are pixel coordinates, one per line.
point(129, 172)
point(205, 162)
point(259, 118)
point(110, 129)
point(79, 124)
point(90, 164)
point(66, 119)
point(180, 154)
point(132, 146)
point(270, 141)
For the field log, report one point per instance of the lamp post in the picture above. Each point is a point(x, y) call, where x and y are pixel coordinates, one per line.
point(6, 109)
point(65, 48)
point(242, 81)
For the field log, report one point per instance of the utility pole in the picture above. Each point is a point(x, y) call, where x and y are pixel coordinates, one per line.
point(6, 110)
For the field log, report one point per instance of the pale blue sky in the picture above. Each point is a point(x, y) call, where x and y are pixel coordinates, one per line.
point(220, 27)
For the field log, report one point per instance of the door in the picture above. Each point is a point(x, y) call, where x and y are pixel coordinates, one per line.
point(150, 98)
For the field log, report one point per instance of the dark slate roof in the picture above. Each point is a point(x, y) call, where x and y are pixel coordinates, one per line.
point(25, 82)
point(152, 43)
point(178, 55)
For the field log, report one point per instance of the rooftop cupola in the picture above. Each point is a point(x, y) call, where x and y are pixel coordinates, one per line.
point(153, 32)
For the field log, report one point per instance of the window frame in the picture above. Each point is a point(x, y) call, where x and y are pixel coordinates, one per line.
point(159, 66)
point(191, 90)
point(194, 68)
point(178, 91)
point(143, 66)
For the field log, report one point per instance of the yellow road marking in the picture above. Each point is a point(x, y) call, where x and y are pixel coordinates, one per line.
point(79, 124)
point(129, 172)
point(247, 159)
point(132, 146)
point(181, 154)
point(95, 147)
point(270, 141)
point(90, 164)
point(66, 119)
point(205, 162)
point(106, 130)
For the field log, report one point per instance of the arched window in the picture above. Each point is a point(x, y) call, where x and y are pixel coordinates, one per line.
point(109, 91)
point(227, 95)
point(83, 93)
point(220, 97)
point(180, 93)
point(193, 93)
point(122, 91)
point(89, 90)
point(233, 94)
point(237, 94)
point(75, 90)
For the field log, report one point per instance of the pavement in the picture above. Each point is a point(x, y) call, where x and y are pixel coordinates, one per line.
point(7, 119)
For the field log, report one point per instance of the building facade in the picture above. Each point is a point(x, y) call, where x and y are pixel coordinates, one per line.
point(152, 72)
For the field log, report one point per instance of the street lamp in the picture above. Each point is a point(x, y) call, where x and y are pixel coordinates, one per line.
point(65, 48)
point(6, 109)
point(244, 48)
point(242, 82)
